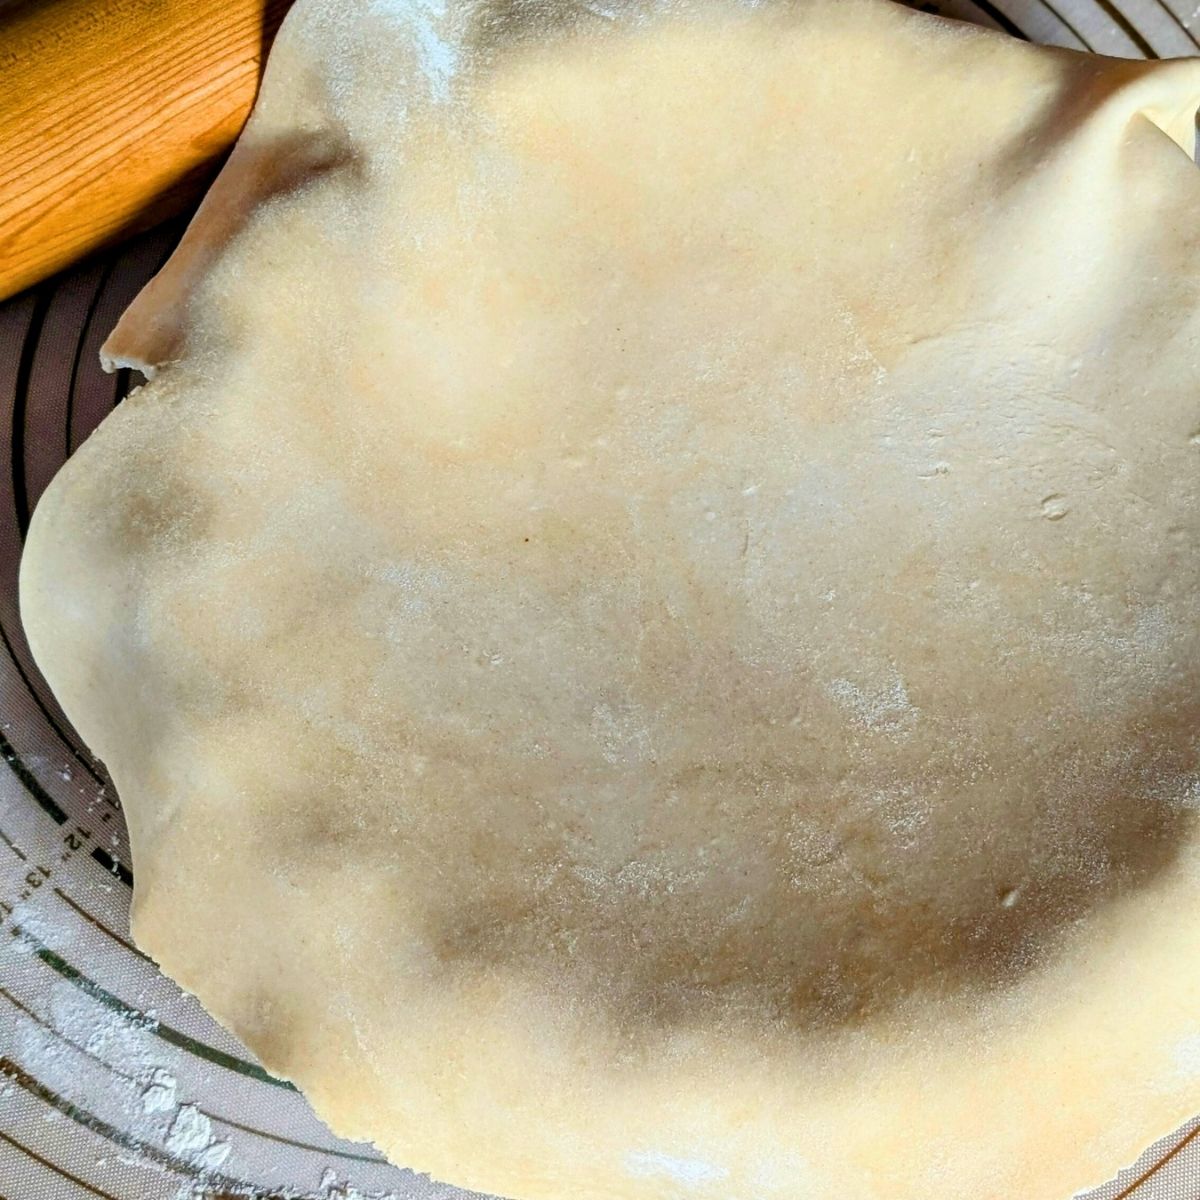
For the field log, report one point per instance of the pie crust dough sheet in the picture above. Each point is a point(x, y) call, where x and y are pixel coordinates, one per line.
point(645, 623)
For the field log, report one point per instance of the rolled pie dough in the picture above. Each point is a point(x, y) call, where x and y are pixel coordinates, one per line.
point(646, 622)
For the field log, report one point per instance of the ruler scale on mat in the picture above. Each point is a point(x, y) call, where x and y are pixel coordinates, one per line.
point(113, 1084)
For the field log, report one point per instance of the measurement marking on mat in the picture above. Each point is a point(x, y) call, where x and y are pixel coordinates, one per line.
point(140, 1020)
point(44, 800)
point(73, 840)
point(89, 1121)
point(217, 1118)
point(113, 867)
point(12, 845)
point(62, 1171)
point(98, 924)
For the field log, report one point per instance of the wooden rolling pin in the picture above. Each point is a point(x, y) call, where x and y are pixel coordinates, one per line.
point(114, 115)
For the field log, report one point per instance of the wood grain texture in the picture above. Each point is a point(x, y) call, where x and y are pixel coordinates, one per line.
point(113, 115)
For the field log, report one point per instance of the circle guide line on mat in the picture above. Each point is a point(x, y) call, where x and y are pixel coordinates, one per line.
point(219, 1118)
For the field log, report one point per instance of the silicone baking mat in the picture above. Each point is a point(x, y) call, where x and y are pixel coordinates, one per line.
point(114, 1084)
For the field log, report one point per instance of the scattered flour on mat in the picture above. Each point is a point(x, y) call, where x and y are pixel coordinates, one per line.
point(190, 1137)
point(159, 1094)
point(332, 1188)
point(138, 1095)
point(135, 1094)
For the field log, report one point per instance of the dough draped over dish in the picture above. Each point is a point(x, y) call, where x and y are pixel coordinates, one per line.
point(645, 623)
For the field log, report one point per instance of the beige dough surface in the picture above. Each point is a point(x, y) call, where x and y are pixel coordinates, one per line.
point(646, 623)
